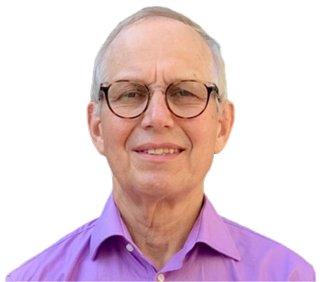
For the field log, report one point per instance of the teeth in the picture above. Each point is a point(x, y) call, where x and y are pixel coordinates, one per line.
point(161, 151)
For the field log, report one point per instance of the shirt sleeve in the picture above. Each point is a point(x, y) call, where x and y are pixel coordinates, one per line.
point(303, 273)
point(8, 278)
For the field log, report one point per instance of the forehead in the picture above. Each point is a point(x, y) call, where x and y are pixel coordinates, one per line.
point(157, 45)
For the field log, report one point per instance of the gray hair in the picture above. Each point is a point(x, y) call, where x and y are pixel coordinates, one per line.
point(218, 69)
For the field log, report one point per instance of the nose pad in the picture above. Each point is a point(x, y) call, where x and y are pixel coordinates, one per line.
point(158, 101)
point(157, 113)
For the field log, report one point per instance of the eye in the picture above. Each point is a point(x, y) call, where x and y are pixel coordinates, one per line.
point(130, 94)
point(181, 92)
point(134, 94)
point(126, 92)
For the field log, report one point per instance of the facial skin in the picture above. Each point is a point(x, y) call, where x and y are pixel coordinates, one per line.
point(159, 197)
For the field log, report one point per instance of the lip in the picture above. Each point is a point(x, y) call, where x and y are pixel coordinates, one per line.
point(149, 146)
point(140, 151)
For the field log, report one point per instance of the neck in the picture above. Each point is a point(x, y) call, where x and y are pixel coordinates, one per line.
point(159, 227)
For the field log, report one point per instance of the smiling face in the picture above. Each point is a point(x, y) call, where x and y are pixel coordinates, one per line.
point(158, 154)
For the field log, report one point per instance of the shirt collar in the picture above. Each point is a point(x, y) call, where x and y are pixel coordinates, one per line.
point(214, 233)
point(211, 229)
point(109, 224)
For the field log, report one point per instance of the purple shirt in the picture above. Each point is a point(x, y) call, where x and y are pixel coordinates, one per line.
point(216, 249)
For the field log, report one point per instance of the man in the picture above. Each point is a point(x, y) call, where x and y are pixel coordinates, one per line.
point(159, 113)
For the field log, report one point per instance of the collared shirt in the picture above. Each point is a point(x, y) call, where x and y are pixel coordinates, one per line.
point(216, 249)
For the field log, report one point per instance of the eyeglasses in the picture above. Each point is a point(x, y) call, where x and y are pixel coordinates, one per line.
point(128, 99)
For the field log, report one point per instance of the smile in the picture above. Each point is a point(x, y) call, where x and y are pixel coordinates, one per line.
point(161, 151)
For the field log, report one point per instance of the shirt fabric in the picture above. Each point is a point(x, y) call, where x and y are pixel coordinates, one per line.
point(216, 249)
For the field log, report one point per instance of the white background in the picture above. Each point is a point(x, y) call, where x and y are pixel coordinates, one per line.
point(53, 180)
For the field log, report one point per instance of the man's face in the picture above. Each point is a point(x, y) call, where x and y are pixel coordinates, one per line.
point(157, 52)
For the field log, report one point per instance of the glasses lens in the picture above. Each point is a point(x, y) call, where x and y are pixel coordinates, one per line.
point(127, 99)
point(187, 99)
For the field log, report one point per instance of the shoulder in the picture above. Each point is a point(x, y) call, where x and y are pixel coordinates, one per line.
point(62, 254)
point(267, 255)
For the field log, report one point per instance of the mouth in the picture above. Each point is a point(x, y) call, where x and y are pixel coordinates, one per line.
point(161, 151)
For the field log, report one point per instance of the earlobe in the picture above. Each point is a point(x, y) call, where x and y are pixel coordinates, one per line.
point(226, 120)
point(94, 124)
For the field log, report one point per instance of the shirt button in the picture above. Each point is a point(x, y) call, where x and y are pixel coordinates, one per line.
point(160, 277)
point(129, 247)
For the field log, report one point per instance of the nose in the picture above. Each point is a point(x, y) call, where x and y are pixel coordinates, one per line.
point(157, 115)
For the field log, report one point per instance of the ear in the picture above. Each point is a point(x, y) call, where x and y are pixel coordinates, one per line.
point(94, 124)
point(225, 123)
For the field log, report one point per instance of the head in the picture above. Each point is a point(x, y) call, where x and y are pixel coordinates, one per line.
point(159, 155)
point(101, 68)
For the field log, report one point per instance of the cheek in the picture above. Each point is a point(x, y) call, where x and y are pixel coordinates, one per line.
point(203, 138)
point(204, 142)
point(115, 133)
point(204, 130)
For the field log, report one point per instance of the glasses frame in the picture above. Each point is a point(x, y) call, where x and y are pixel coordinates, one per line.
point(212, 87)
